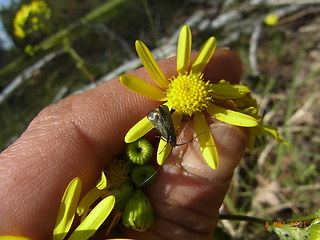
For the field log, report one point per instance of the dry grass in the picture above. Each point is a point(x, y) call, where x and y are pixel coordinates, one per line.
point(277, 182)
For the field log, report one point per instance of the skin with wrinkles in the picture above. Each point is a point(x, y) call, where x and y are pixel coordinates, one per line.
point(83, 133)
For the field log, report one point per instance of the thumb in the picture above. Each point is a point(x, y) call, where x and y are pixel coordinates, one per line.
point(187, 193)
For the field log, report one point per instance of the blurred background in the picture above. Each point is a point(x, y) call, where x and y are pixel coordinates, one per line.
point(51, 49)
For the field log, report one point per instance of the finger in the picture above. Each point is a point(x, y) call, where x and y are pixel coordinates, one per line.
point(73, 138)
point(224, 64)
point(187, 194)
point(76, 137)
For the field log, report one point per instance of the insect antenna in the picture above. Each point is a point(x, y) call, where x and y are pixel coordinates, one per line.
point(168, 154)
point(150, 177)
point(180, 144)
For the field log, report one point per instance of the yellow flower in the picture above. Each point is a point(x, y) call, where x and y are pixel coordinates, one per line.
point(188, 94)
point(271, 19)
point(248, 105)
point(30, 17)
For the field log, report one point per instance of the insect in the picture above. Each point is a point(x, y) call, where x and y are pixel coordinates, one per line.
point(162, 122)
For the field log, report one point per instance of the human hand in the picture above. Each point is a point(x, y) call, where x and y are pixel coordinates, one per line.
point(81, 134)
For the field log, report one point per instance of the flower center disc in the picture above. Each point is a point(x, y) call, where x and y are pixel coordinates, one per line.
point(188, 93)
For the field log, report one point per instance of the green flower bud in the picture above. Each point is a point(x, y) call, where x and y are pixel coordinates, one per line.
point(139, 151)
point(143, 175)
point(125, 192)
point(138, 212)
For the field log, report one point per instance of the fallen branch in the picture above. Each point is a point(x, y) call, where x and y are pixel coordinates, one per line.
point(26, 74)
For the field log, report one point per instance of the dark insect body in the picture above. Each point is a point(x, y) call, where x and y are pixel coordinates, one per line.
point(162, 122)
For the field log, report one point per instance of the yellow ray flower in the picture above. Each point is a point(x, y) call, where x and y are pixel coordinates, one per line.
point(271, 19)
point(188, 94)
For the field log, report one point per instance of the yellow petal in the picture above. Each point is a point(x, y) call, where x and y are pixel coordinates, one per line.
point(231, 117)
point(184, 49)
point(228, 91)
point(151, 65)
point(252, 111)
point(67, 209)
point(91, 196)
point(85, 204)
point(176, 119)
point(164, 150)
point(138, 130)
point(102, 183)
point(94, 220)
point(204, 55)
point(142, 87)
point(273, 132)
point(253, 132)
point(206, 142)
